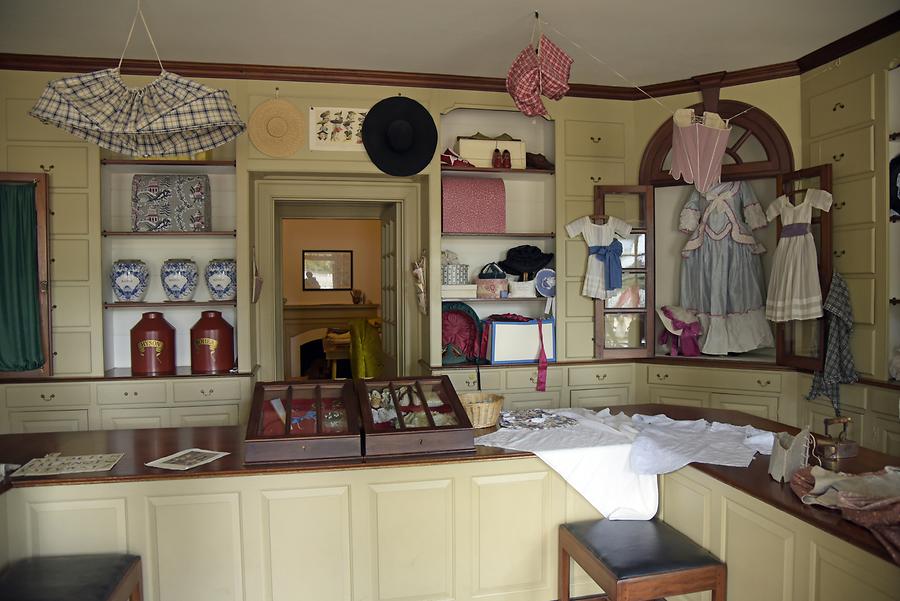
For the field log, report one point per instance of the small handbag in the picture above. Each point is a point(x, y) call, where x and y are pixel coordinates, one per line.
point(491, 282)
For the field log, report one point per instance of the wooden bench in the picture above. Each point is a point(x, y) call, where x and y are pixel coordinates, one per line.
point(107, 577)
point(638, 560)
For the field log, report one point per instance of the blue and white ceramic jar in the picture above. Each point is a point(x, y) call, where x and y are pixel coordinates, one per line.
point(129, 279)
point(221, 279)
point(179, 279)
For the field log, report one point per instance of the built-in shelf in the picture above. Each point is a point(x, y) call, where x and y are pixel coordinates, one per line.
point(494, 300)
point(170, 162)
point(170, 304)
point(225, 234)
point(496, 170)
point(182, 371)
point(498, 235)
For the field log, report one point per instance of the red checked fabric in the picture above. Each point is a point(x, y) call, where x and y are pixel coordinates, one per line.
point(555, 68)
point(533, 74)
point(523, 83)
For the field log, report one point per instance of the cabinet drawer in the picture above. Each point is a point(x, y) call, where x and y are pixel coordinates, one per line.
point(70, 260)
point(854, 202)
point(598, 398)
point(212, 389)
point(846, 106)
point(467, 380)
point(47, 395)
point(854, 251)
point(67, 165)
point(851, 153)
point(579, 339)
point(759, 406)
point(71, 353)
point(134, 419)
point(70, 306)
point(582, 176)
point(527, 378)
point(131, 392)
point(27, 422)
point(592, 375)
point(69, 213)
point(675, 396)
point(885, 401)
point(595, 139)
point(531, 400)
point(211, 415)
point(714, 378)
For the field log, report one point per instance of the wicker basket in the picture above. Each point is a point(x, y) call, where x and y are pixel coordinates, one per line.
point(483, 408)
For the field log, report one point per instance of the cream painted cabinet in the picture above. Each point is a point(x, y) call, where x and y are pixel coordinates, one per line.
point(758, 405)
point(531, 400)
point(676, 396)
point(69, 420)
point(208, 415)
point(134, 418)
point(597, 398)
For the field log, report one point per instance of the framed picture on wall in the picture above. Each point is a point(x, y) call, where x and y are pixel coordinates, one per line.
point(327, 270)
point(336, 128)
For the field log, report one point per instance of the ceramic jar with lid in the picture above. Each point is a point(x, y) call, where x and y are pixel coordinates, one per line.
point(129, 279)
point(152, 346)
point(212, 344)
point(221, 279)
point(179, 279)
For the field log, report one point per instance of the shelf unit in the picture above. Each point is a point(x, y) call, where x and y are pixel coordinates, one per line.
point(118, 242)
point(530, 201)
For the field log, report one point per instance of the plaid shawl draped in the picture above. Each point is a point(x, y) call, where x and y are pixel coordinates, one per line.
point(839, 368)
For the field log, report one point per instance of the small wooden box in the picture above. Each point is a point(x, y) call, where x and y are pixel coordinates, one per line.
point(292, 421)
point(431, 418)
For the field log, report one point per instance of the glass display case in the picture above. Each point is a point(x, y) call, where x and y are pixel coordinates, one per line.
point(413, 415)
point(295, 421)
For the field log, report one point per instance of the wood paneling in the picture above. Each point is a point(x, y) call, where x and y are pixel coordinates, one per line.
point(77, 527)
point(28, 422)
point(834, 577)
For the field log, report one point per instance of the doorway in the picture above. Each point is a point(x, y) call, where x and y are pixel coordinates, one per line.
point(282, 325)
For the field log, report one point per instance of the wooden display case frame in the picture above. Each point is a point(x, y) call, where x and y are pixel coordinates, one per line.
point(261, 448)
point(415, 440)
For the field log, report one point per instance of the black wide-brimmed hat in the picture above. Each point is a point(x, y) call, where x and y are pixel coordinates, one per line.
point(525, 259)
point(399, 136)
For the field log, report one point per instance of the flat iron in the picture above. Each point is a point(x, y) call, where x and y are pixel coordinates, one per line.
point(832, 450)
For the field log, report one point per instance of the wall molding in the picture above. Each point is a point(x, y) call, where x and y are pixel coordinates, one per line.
point(71, 64)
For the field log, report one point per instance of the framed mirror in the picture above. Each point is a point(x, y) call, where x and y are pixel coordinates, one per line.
point(327, 270)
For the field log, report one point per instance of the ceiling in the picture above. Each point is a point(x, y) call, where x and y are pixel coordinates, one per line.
point(649, 41)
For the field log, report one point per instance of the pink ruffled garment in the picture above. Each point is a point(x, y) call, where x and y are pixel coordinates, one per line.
point(698, 144)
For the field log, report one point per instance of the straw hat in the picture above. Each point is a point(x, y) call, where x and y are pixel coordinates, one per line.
point(274, 128)
point(668, 313)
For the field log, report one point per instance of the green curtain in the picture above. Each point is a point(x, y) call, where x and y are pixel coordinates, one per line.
point(20, 316)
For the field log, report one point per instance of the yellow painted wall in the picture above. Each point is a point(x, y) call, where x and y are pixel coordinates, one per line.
point(362, 236)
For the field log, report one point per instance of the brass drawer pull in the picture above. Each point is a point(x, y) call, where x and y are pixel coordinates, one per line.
point(839, 253)
point(599, 377)
point(207, 392)
point(597, 139)
point(48, 398)
point(47, 169)
point(837, 105)
point(840, 205)
point(533, 380)
point(837, 158)
point(662, 376)
point(596, 179)
point(763, 384)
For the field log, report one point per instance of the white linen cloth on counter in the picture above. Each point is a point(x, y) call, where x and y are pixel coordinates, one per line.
point(613, 460)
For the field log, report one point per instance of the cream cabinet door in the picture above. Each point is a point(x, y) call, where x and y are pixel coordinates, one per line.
point(852, 153)
point(69, 213)
point(848, 105)
point(131, 392)
point(531, 400)
point(677, 396)
point(71, 353)
point(816, 413)
point(67, 165)
point(467, 380)
point(128, 418)
point(598, 398)
point(598, 375)
point(582, 176)
point(29, 422)
point(886, 436)
point(48, 396)
point(526, 379)
point(595, 139)
point(759, 406)
point(206, 390)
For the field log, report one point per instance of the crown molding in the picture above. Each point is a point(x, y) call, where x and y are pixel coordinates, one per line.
point(72, 64)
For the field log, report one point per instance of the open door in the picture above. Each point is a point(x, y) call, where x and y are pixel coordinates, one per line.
point(801, 344)
point(389, 290)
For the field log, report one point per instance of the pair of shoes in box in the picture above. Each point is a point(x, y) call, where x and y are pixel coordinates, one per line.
point(501, 160)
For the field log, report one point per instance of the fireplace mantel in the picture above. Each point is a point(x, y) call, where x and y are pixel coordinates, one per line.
point(298, 319)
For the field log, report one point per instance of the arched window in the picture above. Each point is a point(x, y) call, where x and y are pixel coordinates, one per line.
point(757, 148)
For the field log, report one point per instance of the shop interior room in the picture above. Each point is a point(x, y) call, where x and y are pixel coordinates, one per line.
point(398, 301)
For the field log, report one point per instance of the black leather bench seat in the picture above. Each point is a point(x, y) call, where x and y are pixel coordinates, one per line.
point(65, 577)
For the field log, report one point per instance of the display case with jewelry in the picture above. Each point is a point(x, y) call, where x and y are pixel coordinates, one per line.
point(413, 415)
point(295, 421)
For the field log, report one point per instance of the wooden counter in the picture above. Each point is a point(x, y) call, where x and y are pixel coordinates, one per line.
point(461, 526)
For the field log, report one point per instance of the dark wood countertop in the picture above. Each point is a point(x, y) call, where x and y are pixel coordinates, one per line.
point(141, 446)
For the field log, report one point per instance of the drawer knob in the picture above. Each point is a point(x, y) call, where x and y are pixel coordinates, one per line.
point(837, 158)
point(837, 106)
point(206, 392)
point(48, 398)
point(135, 393)
point(840, 205)
point(125, 393)
point(839, 253)
point(596, 139)
point(533, 380)
point(52, 307)
point(596, 178)
point(47, 169)
point(599, 377)
point(763, 384)
point(662, 376)
point(55, 354)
